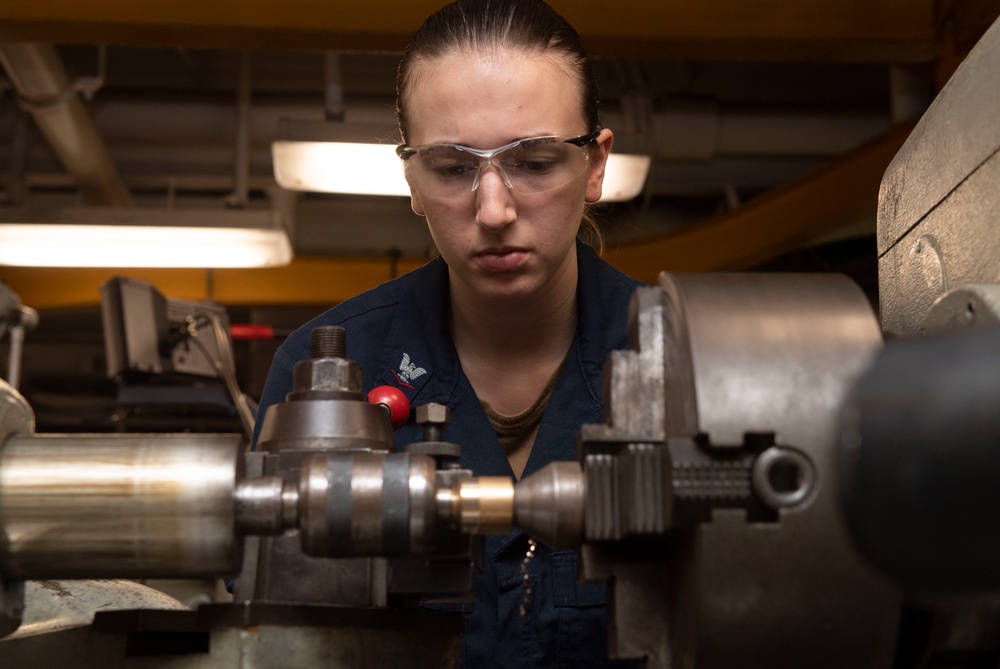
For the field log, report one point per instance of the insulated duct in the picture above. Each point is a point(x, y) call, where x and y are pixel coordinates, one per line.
point(46, 93)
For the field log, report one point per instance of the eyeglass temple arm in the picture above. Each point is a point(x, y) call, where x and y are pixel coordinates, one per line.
point(583, 140)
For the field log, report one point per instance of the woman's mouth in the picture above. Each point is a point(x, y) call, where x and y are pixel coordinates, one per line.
point(505, 259)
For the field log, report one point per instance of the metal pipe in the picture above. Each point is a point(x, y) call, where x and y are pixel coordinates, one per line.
point(45, 91)
point(241, 180)
point(334, 92)
point(18, 158)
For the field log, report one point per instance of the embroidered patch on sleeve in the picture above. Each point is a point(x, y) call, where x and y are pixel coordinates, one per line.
point(408, 372)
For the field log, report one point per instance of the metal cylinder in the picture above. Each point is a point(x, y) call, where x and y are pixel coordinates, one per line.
point(325, 425)
point(266, 505)
point(549, 504)
point(486, 504)
point(366, 504)
point(328, 341)
point(124, 506)
point(919, 467)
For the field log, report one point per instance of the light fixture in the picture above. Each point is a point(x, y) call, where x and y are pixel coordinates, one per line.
point(107, 237)
point(624, 176)
point(337, 157)
point(358, 158)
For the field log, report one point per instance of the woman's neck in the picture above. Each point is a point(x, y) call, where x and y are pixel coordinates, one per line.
point(509, 351)
point(514, 329)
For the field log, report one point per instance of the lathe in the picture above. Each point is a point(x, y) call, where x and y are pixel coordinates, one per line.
point(782, 479)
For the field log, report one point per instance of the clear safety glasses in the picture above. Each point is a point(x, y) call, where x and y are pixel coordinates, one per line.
point(531, 165)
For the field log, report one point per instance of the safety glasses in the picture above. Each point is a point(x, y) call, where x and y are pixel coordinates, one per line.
point(530, 165)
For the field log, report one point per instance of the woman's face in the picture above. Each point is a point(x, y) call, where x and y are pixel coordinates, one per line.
point(500, 244)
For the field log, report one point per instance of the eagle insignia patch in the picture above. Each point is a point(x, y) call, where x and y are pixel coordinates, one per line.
point(408, 371)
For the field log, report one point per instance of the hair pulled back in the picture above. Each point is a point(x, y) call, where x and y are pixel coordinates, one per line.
point(486, 26)
point(492, 26)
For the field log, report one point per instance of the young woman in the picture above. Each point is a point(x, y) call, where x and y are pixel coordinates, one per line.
point(511, 325)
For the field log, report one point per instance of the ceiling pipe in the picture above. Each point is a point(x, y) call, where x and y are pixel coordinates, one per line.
point(333, 94)
point(240, 196)
point(677, 129)
point(46, 93)
point(18, 158)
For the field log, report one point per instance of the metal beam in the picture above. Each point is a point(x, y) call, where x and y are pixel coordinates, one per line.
point(782, 220)
point(881, 30)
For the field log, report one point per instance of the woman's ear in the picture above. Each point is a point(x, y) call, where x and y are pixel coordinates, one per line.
point(598, 162)
point(415, 204)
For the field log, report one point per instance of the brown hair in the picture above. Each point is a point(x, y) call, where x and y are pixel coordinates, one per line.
point(483, 25)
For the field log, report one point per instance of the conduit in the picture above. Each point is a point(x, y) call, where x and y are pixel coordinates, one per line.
point(45, 92)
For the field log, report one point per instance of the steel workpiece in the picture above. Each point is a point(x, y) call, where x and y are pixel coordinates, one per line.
point(119, 505)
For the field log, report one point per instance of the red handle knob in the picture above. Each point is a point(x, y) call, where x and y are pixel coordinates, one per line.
point(395, 401)
point(250, 331)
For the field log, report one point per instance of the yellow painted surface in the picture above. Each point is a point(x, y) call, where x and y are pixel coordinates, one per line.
point(320, 281)
point(620, 27)
point(773, 224)
point(828, 19)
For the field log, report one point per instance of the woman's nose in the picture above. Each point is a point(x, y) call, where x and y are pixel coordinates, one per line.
point(494, 202)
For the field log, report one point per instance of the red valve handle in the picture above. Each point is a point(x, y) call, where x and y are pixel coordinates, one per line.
point(395, 401)
point(250, 331)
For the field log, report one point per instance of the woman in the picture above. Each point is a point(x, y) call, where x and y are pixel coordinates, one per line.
point(511, 325)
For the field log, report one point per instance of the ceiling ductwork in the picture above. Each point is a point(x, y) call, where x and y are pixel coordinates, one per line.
point(45, 92)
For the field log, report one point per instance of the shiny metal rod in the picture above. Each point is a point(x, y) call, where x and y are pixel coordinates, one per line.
point(123, 506)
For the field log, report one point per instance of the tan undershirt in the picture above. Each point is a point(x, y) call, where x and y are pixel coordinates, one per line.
point(517, 433)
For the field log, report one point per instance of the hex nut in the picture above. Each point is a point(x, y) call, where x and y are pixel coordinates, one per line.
point(432, 413)
point(327, 374)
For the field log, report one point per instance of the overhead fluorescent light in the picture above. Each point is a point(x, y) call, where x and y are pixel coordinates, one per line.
point(105, 237)
point(339, 167)
point(339, 157)
point(624, 176)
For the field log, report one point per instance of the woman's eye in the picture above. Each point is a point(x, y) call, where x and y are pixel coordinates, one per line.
point(535, 166)
point(532, 163)
point(453, 171)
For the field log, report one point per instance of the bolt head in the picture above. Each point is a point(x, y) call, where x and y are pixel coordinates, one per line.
point(432, 413)
point(327, 374)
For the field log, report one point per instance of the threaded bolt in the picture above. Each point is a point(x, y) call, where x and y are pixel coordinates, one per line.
point(433, 417)
point(329, 341)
